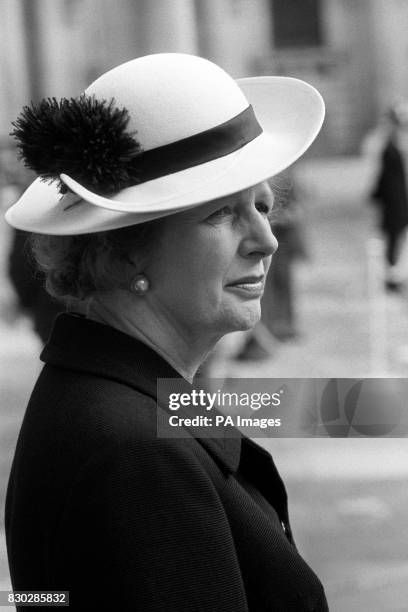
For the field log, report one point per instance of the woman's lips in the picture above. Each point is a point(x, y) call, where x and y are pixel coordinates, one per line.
point(250, 285)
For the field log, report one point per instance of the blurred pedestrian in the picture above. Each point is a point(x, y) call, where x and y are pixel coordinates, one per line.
point(29, 285)
point(167, 238)
point(278, 320)
point(279, 299)
point(32, 299)
point(391, 196)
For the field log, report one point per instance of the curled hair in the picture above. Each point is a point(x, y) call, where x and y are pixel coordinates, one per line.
point(282, 187)
point(78, 266)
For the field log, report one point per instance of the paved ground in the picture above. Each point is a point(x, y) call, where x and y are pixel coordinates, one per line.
point(348, 498)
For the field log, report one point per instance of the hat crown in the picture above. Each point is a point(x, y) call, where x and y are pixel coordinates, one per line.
point(170, 96)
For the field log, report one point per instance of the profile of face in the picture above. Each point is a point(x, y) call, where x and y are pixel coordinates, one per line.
point(208, 270)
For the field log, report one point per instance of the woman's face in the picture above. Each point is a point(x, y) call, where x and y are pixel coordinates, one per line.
point(207, 274)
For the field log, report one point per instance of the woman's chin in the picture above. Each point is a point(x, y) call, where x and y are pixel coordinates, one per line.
point(245, 319)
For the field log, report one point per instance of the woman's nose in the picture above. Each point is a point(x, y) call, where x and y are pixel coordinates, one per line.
point(259, 239)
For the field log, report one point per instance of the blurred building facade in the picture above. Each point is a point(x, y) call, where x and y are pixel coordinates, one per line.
point(354, 51)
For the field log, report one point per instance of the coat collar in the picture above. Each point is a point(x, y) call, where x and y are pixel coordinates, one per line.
point(85, 345)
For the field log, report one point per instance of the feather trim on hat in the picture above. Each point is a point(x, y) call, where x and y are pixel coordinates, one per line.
point(83, 137)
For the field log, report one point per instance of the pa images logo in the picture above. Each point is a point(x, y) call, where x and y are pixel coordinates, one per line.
point(372, 407)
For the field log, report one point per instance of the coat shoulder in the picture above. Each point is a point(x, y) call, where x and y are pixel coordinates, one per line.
point(79, 427)
point(73, 417)
point(87, 405)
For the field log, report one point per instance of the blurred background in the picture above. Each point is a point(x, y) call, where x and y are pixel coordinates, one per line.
point(335, 306)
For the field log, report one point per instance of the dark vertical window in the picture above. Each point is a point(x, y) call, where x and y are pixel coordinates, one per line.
point(296, 23)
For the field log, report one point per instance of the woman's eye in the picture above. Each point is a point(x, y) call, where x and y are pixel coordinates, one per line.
point(263, 208)
point(221, 212)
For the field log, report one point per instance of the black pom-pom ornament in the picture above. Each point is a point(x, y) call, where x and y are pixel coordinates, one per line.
point(83, 137)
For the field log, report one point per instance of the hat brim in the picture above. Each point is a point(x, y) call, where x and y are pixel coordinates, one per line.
point(290, 112)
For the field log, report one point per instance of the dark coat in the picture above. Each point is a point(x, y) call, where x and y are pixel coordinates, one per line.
point(98, 505)
point(391, 190)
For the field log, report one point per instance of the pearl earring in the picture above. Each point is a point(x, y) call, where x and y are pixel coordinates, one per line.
point(139, 285)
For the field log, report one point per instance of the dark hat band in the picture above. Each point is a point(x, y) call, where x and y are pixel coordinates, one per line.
point(203, 147)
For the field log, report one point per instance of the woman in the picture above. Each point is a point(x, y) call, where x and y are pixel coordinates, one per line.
point(162, 239)
point(391, 196)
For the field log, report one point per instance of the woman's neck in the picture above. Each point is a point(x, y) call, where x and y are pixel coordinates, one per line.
point(122, 312)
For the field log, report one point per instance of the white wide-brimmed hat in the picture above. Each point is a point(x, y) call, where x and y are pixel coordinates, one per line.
point(191, 134)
